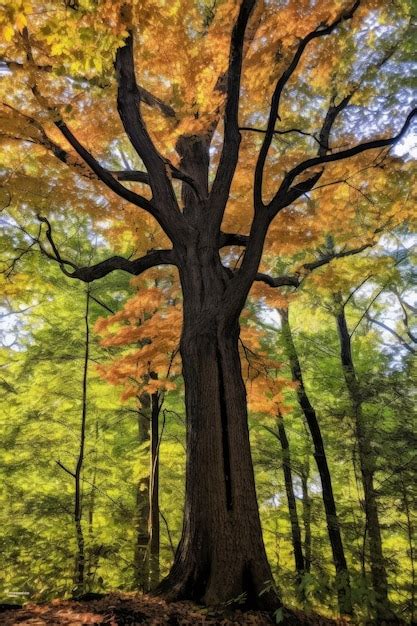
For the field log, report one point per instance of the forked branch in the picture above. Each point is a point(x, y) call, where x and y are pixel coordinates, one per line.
point(295, 280)
point(320, 31)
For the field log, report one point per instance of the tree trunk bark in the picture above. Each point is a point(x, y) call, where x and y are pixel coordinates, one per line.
point(154, 525)
point(79, 574)
point(221, 555)
point(306, 517)
point(411, 551)
point(333, 527)
point(141, 553)
point(93, 556)
point(292, 505)
point(367, 466)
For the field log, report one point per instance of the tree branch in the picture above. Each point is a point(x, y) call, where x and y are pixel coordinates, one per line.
point(94, 272)
point(62, 466)
point(297, 278)
point(159, 170)
point(105, 176)
point(285, 196)
point(146, 96)
point(233, 239)
point(373, 320)
point(137, 176)
point(320, 31)
point(344, 154)
point(230, 151)
point(135, 267)
point(278, 281)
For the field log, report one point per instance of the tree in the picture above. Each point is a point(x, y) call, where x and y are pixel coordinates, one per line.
point(209, 565)
point(333, 525)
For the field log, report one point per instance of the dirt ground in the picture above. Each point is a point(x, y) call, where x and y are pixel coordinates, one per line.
point(129, 609)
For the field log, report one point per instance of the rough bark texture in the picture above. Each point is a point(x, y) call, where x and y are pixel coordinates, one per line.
point(221, 555)
point(367, 466)
point(333, 527)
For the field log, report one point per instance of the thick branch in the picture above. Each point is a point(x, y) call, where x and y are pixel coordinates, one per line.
point(94, 272)
point(104, 175)
point(278, 281)
point(285, 196)
point(233, 239)
point(135, 267)
point(128, 105)
point(231, 141)
point(331, 115)
point(137, 176)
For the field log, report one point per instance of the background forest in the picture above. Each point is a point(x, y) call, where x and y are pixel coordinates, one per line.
point(42, 371)
point(93, 445)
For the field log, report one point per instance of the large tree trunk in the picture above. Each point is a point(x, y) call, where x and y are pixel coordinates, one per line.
point(221, 555)
point(333, 527)
point(367, 466)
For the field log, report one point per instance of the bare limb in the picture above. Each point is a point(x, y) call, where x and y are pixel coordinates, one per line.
point(344, 154)
point(384, 326)
point(278, 281)
point(104, 175)
point(320, 31)
point(90, 273)
point(62, 466)
point(297, 278)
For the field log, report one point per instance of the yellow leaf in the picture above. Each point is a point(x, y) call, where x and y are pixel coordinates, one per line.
point(8, 32)
point(21, 21)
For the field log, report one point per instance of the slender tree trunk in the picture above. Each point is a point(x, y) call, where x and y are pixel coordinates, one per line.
point(141, 554)
point(410, 539)
point(306, 517)
point(154, 526)
point(221, 554)
point(333, 527)
point(92, 552)
point(367, 467)
point(292, 505)
point(79, 576)
point(146, 558)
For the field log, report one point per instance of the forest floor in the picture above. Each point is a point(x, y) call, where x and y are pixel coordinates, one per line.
point(128, 609)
